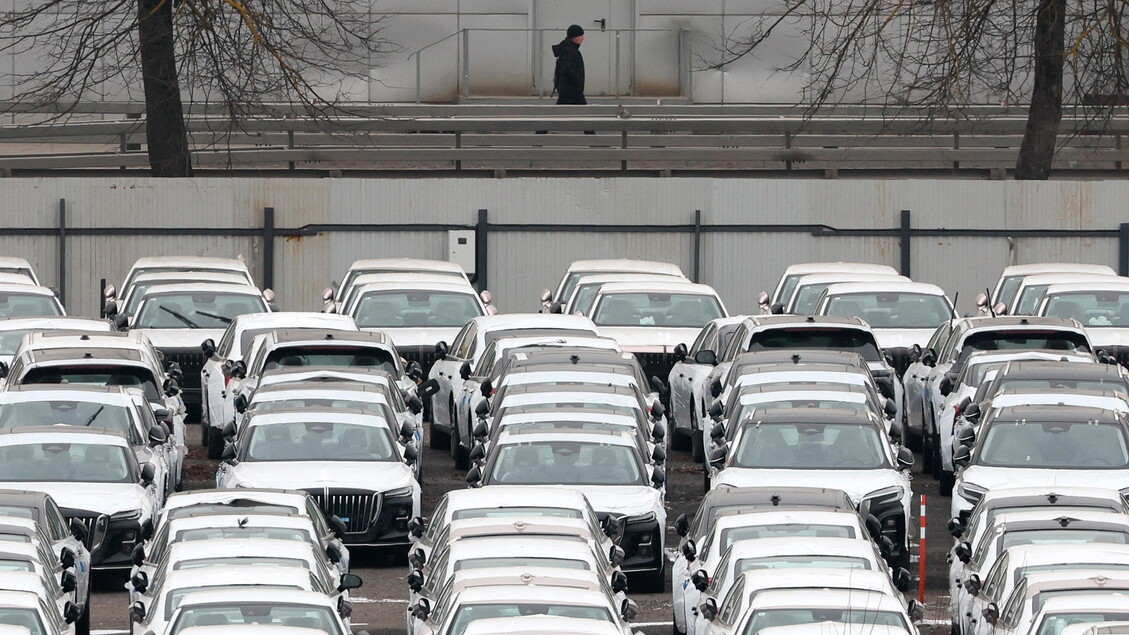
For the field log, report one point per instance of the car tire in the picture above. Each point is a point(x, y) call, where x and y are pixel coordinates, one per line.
point(674, 625)
point(953, 628)
point(706, 476)
point(215, 444)
point(82, 625)
point(458, 453)
point(926, 454)
point(204, 434)
point(697, 440)
point(936, 462)
point(948, 480)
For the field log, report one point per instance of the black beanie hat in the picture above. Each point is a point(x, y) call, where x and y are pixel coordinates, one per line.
point(575, 31)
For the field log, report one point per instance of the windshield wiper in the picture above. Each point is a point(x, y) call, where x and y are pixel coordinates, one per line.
point(225, 320)
point(91, 418)
point(190, 323)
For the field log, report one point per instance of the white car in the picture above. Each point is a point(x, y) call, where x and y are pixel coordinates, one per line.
point(1032, 288)
point(805, 297)
point(1086, 603)
point(608, 467)
point(27, 608)
point(178, 318)
point(558, 625)
point(467, 348)
point(175, 264)
point(782, 607)
point(94, 476)
point(688, 381)
point(13, 330)
point(786, 286)
point(27, 551)
point(1101, 307)
point(371, 266)
point(26, 300)
point(1043, 446)
point(131, 299)
point(233, 346)
point(368, 481)
point(19, 266)
point(826, 447)
point(581, 268)
point(1014, 614)
point(1007, 286)
point(287, 607)
point(585, 289)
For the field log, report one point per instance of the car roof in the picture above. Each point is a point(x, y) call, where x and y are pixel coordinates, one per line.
point(814, 598)
point(201, 261)
point(832, 267)
point(235, 547)
point(1114, 284)
point(764, 322)
point(294, 498)
point(1054, 267)
point(515, 496)
point(415, 283)
point(320, 415)
point(294, 320)
point(988, 323)
point(518, 545)
point(892, 286)
point(56, 322)
point(771, 416)
point(1054, 414)
point(626, 265)
point(21, 599)
point(516, 436)
point(1085, 601)
point(331, 336)
point(512, 321)
point(24, 393)
point(279, 596)
point(23, 498)
point(725, 496)
point(225, 521)
point(25, 289)
point(203, 287)
point(1065, 371)
point(232, 277)
point(1047, 518)
point(1045, 355)
point(799, 356)
point(408, 264)
point(834, 277)
point(672, 286)
point(62, 434)
point(795, 545)
point(516, 593)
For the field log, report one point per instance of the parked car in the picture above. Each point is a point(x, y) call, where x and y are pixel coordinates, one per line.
point(581, 268)
point(26, 300)
point(1004, 292)
point(688, 381)
point(786, 286)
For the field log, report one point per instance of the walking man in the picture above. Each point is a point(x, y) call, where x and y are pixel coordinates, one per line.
point(568, 78)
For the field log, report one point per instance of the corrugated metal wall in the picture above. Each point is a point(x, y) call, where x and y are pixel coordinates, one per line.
point(520, 263)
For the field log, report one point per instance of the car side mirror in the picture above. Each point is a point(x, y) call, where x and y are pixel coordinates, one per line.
point(915, 610)
point(337, 526)
point(658, 455)
point(890, 408)
point(905, 459)
point(929, 358)
point(415, 580)
point(707, 357)
point(895, 432)
point(971, 413)
point(327, 294)
point(67, 581)
point(616, 554)
point(657, 410)
point(411, 455)
point(657, 384)
point(718, 456)
point(700, 579)
point(228, 453)
point(962, 456)
point(414, 370)
point(629, 610)
point(474, 476)
point(421, 610)
point(715, 412)
point(350, 581)
point(172, 388)
point(915, 353)
point(137, 556)
point(658, 432)
point(239, 369)
point(708, 609)
point(966, 437)
point(955, 526)
point(963, 552)
point(546, 295)
point(140, 581)
point(157, 436)
point(478, 452)
point(763, 299)
point(487, 388)
point(973, 585)
point(556, 308)
point(776, 309)
point(228, 431)
point(333, 553)
point(416, 526)
point(680, 352)
point(716, 388)
point(110, 291)
point(148, 473)
point(162, 414)
point(991, 614)
point(612, 527)
point(407, 432)
point(690, 550)
point(3, 369)
point(480, 430)
point(110, 308)
point(66, 556)
point(414, 404)
point(946, 386)
point(464, 370)
point(619, 582)
point(482, 408)
point(682, 525)
point(427, 389)
point(208, 347)
point(71, 613)
point(441, 349)
point(658, 477)
point(902, 580)
point(121, 321)
point(78, 530)
point(964, 404)
point(717, 431)
point(417, 558)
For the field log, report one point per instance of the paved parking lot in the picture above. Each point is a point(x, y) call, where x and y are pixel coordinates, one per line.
point(379, 605)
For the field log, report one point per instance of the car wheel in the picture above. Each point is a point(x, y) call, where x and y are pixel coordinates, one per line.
point(935, 445)
point(948, 480)
point(681, 441)
point(458, 453)
point(674, 625)
point(953, 628)
point(926, 454)
point(697, 440)
point(82, 625)
point(706, 476)
point(215, 444)
point(204, 434)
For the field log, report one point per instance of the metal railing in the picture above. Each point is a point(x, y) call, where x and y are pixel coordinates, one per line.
point(537, 50)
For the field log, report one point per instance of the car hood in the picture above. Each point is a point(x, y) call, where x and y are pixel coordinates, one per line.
point(181, 338)
point(627, 500)
point(100, 498)
point(1108, 336)
point(856, 483)
point(406, 339)
point(1003, 477)
point(376, 476)
point(649, 339)
point(902, 338)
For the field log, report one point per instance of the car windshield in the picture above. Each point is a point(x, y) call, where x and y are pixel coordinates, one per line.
point(789, 288)
point(973, 374)
point(10, 340)
point(67, 463)
point(818, 446)
point(138, 290)
point(100, 375)
point(197, 310)
point(566, 463)
point(320, 404)
point(523, 561)
point(1055, 623)
point(243, 533)
point(1091, 308)
point(584, 297)
point(1084, 445)
point(791, 617)
point(672, 310)
point(1023, 340)
point(892, 310)
point(16, 565)
point(28, 305)
point(319, 441)
point(69, 413)
point(1008, 288)
point(1028, 299)
point(784, 530)
point(851, 340)
point(803, 562)
point(331, 356)
point(1062, 536)
point(857, 405)
point(27, 618)
point(256, 561)
point(220, 508)
point(470, 613)
point(319, 618)
point(508, 512)
point(492, 336)
point(174, 597)
point(421, 309)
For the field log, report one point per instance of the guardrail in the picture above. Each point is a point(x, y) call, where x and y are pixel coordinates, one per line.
point(598, 139)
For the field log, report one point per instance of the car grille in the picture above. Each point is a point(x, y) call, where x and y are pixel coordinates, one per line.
point(191, 362)
point(425, 355)
point(357, 508)
point(901, 358)
point(95, 524)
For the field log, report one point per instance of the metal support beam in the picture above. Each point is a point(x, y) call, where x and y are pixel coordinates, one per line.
point(1123, 250)
point(905, 244)
point(268, 247)
point(697, 271)
point(61, 279)
point(481, 232)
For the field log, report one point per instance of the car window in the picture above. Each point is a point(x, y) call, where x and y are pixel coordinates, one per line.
point(1062, 445)
point(891, 310)
point(56, 522)
point(1094, 309)
point(417, 308)
point(331, 356)
point(54, 412)
point(67, 463)
point(810, 446)
point(25, 305)
point(568, 463)
point(672, 310)
point(706, 339)
point(318, 441)
point(731, 608)
point(199, 309)
point(314, 617)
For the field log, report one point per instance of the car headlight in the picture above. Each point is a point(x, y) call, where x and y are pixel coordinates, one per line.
point(399, 493)
point(971, 492)
point(884, 496)
point(129, 514)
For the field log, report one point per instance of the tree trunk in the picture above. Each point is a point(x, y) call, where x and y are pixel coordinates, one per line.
point(165, 133)
point(1041, 135)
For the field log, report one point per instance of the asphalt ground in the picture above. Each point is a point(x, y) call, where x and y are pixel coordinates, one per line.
point(379, 606)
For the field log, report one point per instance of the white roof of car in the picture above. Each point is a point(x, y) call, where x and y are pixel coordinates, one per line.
point(407, 264)
point(527, 526)
point(604, 278)
point(627, 265)
point(109, 395)
point(190, 276)
point(674, 286)
point(15, 278)
point(250, 629)
point(64, 434)
point(515, 496)
point(294, 320)
point(1022, 556)
point(306, 415)
point(832, 278)
point(832, 628)
point(860, 547)
point(758, 517)
point(1112, 284)
point(518, 546)
point(1112, 601)
point(14, 262)
point(582, 579)
point(993, 357)
point(24, 289)
point(241, 575)
point(240, 548)
point(1059, 278)
point(208, 262)
point(1096, 628)
point(203, 287)
point(19, 599)
point(420, 280)
point(757, 581)
point(271, 596)
point(515, 593)
point(510, 321)
point(1055, 267)
point(526, 624)
point(551, 415)
point(845, 396)
point(222, 521)
point(448, 284)
point(572, 341)
point(292, 498)
point(609, 437)
point(1105, 402)
point(882, 286)
point(56, 323)
point(829, 598)
point(805, 268)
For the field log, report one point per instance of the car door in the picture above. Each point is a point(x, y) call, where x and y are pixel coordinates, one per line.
point(685, 374)
point(213, 382)
point(914, 381)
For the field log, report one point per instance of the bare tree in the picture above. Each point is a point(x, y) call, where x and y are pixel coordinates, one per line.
point(241, 53)
point(939, 55)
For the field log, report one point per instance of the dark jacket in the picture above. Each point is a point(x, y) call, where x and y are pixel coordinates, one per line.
point(568, 78)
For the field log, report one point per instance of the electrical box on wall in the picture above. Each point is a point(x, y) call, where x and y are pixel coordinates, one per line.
point(460, 249)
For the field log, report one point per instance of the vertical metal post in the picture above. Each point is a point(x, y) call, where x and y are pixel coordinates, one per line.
point(61, 278)
point(905, 246)
point(419, 79)
point(268, 247)
point(102, 298)
point(1123, 249)
point(697, 270)
point(481, 229)
point(465, 72)
point(615, 89)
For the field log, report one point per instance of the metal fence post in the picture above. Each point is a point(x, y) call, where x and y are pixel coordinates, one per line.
point(268, 247)
point(1123, 249)
point(464, 74)
point(697, 246)
point(481, 229)
point(905, 246)
point(61, 278)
